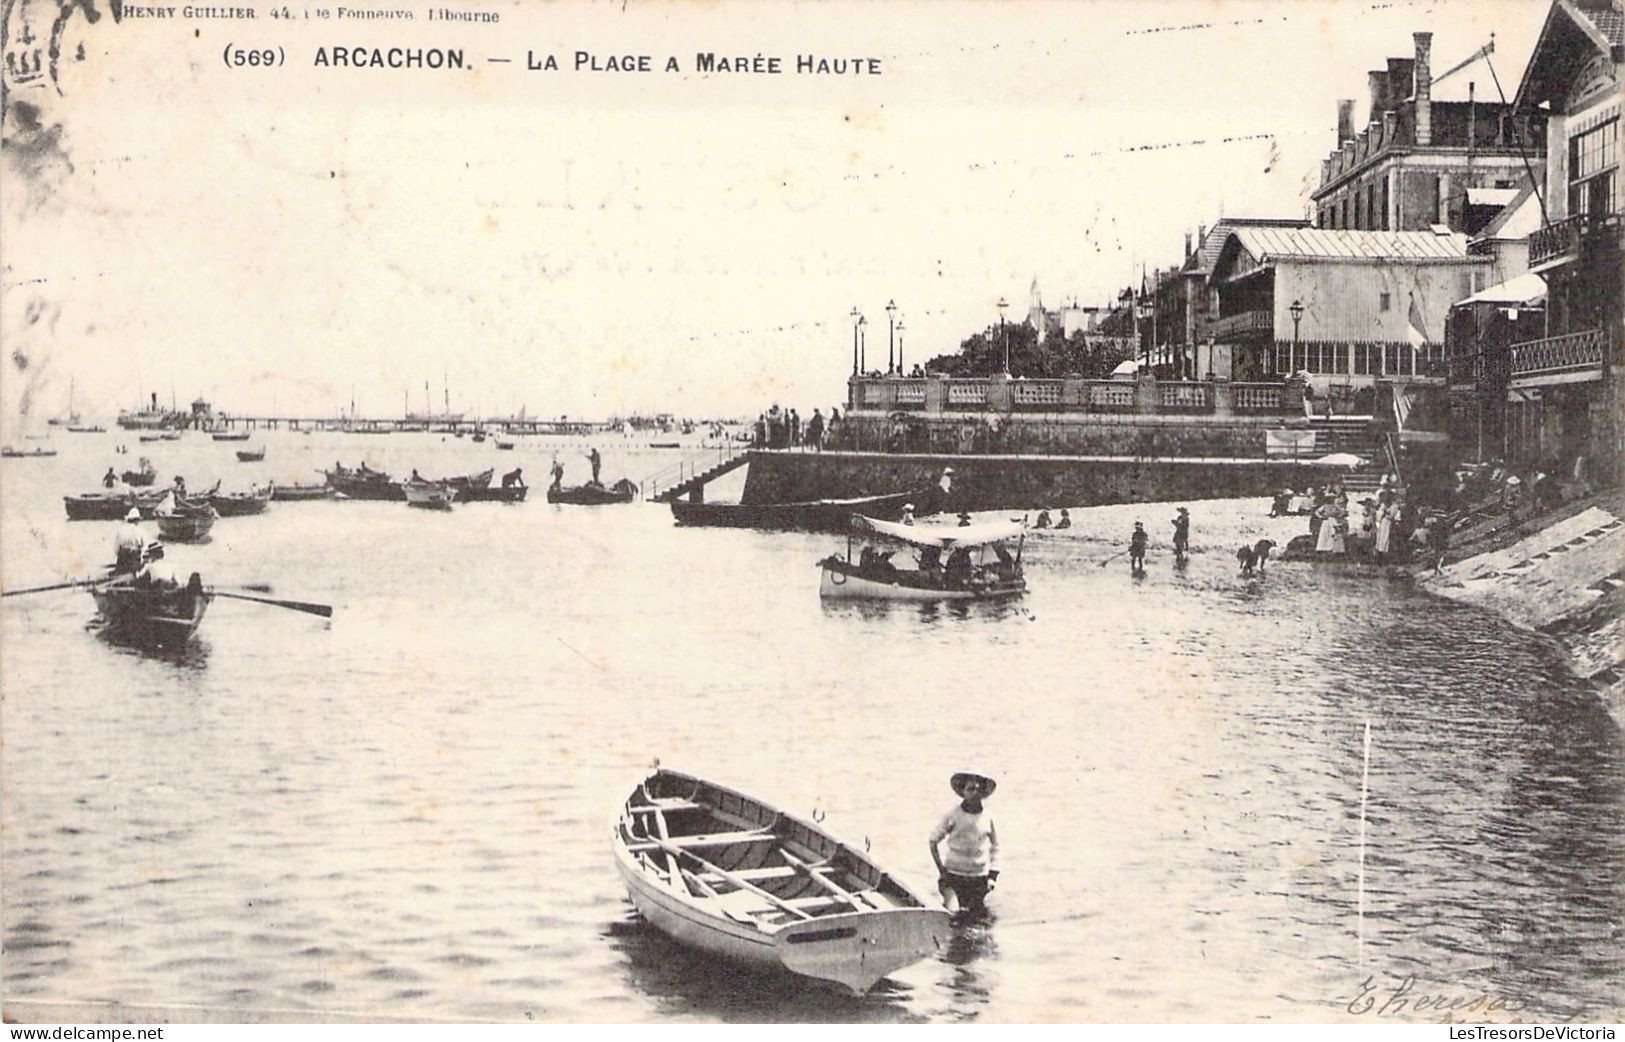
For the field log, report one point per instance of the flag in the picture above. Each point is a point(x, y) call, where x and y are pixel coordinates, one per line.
point(1416, 326)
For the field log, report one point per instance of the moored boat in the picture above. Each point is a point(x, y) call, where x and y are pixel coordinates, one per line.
point(431, 495)
point(13, 453)
point(728, 874)
point(493, 494)
point(230, 435)
point(363, 483)
point(819, 515)
point(967, 574)
point(92, 428)
point(160, 613)
point(593, 494)
point(111, 506)
point(297, 491)
point(242, 504)
point(188, 522)
point(465, 483)
point(142, 477)
point(251, 455)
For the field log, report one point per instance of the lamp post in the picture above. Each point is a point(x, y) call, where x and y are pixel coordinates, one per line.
point(900, 369)
point(1142, 311)
point(863, 343)
point(891, 336)
point(1292, 353)
point(1004, 337)
point(855, 317)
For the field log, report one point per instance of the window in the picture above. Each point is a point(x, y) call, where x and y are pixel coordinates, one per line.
point(1384, 301)
point(1594, 170)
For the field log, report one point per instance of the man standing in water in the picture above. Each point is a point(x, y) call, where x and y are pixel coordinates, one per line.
point(1182, 534)
point(1136, 548)
point(596, 461)
point(970, 869)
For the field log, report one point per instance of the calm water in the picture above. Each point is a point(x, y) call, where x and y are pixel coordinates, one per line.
point(404, 813)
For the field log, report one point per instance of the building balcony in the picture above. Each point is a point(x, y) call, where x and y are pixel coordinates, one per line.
point(1570, 358)
point(1566, 239)
point(1243, 325)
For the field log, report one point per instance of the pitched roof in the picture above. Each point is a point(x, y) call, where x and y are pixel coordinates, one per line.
point(1517, 220)
point(1345, 244)
point(1206, 254)
point(1597, 24)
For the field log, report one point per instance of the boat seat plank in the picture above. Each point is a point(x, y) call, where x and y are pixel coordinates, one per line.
point(718, 839)
point(668, 805)
point(756, 875)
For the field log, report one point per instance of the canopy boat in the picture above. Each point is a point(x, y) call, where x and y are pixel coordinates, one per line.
point(298, 491)
point(13, 453)
point(251, 455)
point(230, 435)
point(363, 483)
point(593, 494)
point(241, 504)
point(161, 613)
point(967, 574)
point(143, 477)
point(728, 874)
point(111, 506)
point(817, 515)
point(188, 522)
point(432, 495)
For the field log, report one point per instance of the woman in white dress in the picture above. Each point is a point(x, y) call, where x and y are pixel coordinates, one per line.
point(1385, 523)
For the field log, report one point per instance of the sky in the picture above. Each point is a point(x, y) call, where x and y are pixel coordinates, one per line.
point(286, 240)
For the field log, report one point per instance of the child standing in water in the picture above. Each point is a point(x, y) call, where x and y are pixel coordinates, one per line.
point(970, 869)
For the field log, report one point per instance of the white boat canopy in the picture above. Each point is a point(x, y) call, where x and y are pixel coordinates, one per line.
point(943, 536)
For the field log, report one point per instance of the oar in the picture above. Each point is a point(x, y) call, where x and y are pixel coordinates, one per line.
point(324, 610)
point(54, 586)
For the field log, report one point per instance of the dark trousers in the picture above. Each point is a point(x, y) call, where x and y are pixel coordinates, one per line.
point(971, 891)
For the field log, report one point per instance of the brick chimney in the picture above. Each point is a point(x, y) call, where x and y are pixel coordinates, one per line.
point(1345, 121)
point(1187, 245)
point(1378, 81)
point(1401, 80)
point(1424, 88)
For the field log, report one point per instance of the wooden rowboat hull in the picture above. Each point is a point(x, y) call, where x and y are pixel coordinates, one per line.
point(108, 507)
point(153, 616)
point(184, 529)
point(591, 495)
point(817, 908)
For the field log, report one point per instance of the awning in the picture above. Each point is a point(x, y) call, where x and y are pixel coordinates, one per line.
point(1527, 290)
point(942, 536)
point(1496, 197)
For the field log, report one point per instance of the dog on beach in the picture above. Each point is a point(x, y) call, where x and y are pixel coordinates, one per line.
point(1252, 558)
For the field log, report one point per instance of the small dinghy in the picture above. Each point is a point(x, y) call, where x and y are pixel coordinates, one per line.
point(728, 874)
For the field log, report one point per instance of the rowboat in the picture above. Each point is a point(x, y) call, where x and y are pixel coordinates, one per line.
point(159, 613)
point(730, 875)
point(494, 494)
point(111, 506)
point(593, 494)
point(187, 523)
point(966, 575)
point(363, 483)
point(251, 455)
point(149, 437)
point(431, 495)
point(818, 515)
point(143, 477)
point(504, 444)
point(295, 491)
point(241, 504)
point(230, 436)
point(464, 483)
point(10, 453)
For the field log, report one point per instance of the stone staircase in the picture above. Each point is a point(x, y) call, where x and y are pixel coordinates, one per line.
point(1358, 436)
point(691, 475)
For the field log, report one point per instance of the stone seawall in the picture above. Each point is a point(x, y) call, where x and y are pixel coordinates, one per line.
point(1021, 482)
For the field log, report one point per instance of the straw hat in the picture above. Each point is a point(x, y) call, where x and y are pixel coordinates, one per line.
point(909, 507)
point(957, 782)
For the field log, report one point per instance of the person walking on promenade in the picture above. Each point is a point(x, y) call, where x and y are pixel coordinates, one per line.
point(815, 431)
point(1182, 534)
point(969, 870)
point(1136, 548)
